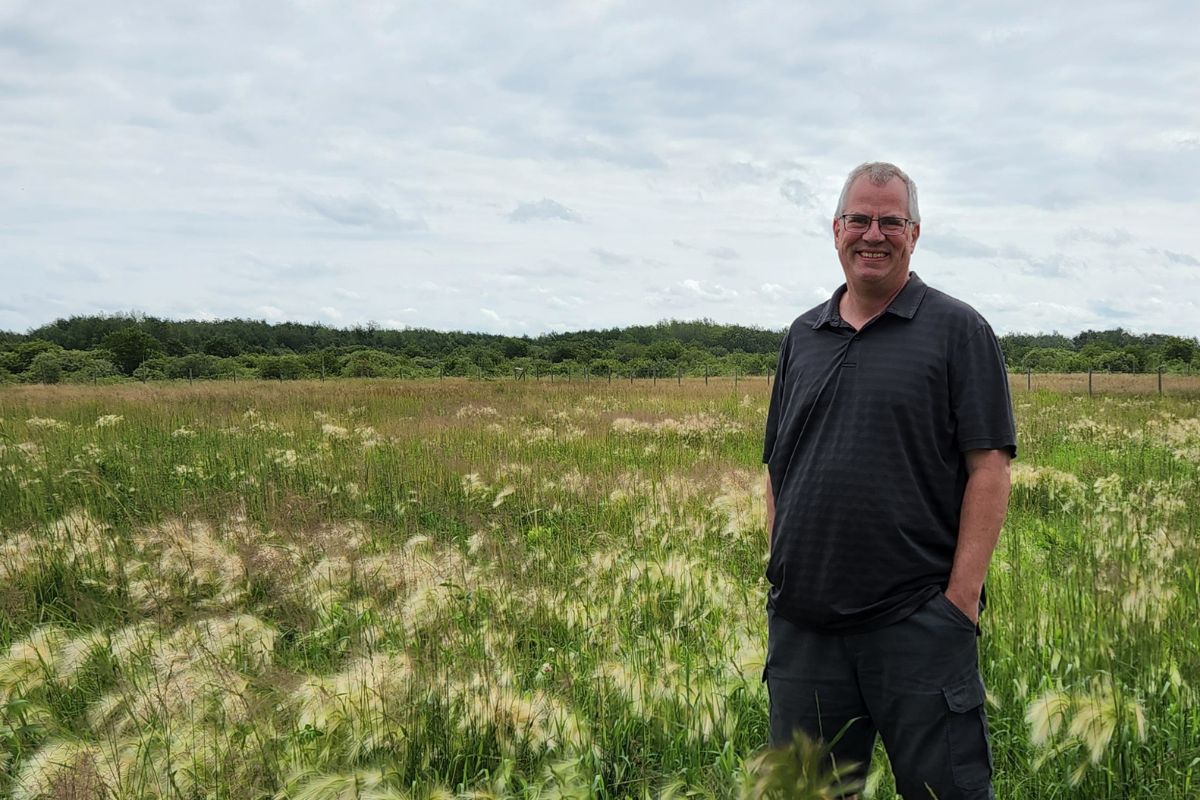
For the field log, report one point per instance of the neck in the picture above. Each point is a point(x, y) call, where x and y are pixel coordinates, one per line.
point(859, 306)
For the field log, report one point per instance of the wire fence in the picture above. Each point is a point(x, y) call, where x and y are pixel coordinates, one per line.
point(1094, 383)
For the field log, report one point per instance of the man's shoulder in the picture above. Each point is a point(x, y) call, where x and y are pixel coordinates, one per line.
point(947, 308)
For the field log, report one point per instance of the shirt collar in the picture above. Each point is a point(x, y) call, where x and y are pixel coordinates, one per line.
point(904, 304)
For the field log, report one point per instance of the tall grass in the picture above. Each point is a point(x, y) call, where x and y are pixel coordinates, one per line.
point(452, 588)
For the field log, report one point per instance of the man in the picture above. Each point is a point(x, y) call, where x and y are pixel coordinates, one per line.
point(888, 442)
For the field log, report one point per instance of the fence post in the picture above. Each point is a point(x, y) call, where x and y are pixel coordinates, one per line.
point(189, 377)
point(322, 372)
point(654, 375)
point(1160, 381)
point(1029, 380)
point(706, 374)
point(679, 376)
point(735, 378)
point(1089, 381)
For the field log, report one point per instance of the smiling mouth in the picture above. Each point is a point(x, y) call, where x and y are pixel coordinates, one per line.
point(872, 255)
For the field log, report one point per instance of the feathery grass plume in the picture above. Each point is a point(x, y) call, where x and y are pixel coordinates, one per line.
point(1063, 488)
point(75, 540)
point(186, 560)
point(191, 675)
point(1148, 601)
point(1089, 719)
point(489, 704)
point(242, 641)
point(65, 768)
point(803, 769)
point(502, 494)
point(473, 485)
point(77, 652)
point(31, 662)
point(362, 708)
point(1099, 713)
point(742, 503)
point(361, 784)
point(1047, 715)
point(328, 584)
point(132, 644)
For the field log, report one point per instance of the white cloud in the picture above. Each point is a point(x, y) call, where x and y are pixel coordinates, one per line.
point(370, 157)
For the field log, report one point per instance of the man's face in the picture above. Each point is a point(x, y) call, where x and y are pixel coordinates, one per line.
point(871, 260)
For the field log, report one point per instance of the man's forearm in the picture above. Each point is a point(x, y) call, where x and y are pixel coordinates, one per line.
point(985, 503)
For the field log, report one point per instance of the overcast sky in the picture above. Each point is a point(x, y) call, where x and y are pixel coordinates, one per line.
point(524, 167)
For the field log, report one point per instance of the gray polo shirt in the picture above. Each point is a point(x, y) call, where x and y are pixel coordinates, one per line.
point(865, 443)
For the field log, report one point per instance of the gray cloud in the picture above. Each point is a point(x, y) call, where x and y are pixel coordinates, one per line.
point(1113, 237)
point(610, 258)
point(1177, 258)
point(953, 245)
point(798, 192)
point(724, 253)
point(362, 212)
point(543, 209)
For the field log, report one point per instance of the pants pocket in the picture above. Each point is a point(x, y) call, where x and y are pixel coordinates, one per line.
point(955, 612)
point(970, 752)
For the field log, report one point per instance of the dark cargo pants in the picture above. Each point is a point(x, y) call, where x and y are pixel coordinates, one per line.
point(916, 683)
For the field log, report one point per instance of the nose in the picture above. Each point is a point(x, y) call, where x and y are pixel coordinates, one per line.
point(872, 233)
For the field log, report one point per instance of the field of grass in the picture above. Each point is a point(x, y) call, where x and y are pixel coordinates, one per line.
point(370, 589)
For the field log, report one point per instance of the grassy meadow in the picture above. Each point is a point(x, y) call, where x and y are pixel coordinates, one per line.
point(454, 589)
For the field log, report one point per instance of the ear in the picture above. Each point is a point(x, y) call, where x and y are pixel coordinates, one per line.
point(916, 234)
point(836, 230)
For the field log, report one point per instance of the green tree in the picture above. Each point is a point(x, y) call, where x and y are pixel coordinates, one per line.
point(26, 352)
point(368, 364)
point(284, 368)
point(47, 367)
point(131, 346)
point(222, 345)
point(1176, 348)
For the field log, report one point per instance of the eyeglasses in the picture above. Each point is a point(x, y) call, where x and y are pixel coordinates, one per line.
point(888, 226)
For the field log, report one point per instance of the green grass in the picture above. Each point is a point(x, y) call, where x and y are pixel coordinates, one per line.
point(388, 589)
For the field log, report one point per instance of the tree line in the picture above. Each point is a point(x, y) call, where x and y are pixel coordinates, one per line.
point(113, 348)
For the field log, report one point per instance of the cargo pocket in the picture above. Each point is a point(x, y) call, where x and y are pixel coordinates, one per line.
point(970, 753)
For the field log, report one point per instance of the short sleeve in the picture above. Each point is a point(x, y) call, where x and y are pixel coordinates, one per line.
point(778, 393)
point(979, 395)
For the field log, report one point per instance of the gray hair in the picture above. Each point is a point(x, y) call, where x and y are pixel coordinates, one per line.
point(879, 173)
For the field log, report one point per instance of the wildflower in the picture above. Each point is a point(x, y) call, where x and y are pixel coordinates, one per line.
point(283, 458)
point(46, 423)
point(335, 432)
point(108, 420)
